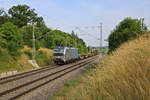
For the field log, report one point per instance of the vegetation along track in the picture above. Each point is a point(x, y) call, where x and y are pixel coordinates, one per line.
point(27, 73)
point(16, 91)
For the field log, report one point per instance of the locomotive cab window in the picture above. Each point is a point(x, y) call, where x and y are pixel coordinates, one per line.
point(58, 50)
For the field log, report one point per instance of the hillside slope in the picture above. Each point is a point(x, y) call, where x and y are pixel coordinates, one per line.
point(124, 75)
point(20, 62)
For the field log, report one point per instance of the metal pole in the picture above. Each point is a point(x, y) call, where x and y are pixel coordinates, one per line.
point(76, 41)
point(76, 37)
point(100, 40)
point(100, 35)
point(142, 25)
point(33, 44)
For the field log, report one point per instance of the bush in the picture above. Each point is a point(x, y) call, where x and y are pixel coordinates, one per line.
point(13, 49)
point(0, 50)
point(42, 59)
point(27, 52)
point(2, 40)
point(11, 36)
point(126, 30)
point(37, 44)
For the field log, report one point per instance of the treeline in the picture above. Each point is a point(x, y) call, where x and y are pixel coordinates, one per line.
point(16, 27)
point(127, 29)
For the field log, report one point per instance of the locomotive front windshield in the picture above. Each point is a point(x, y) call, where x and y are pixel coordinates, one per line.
point(58, 52)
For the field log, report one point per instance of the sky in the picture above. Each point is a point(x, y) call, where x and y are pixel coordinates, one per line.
point(84, 16)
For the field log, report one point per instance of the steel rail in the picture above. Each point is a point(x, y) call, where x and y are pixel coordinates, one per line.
point(40, 85)
point(25, 84)
point(26, 74)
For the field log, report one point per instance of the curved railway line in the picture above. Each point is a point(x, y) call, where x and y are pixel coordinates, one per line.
point(15, 86)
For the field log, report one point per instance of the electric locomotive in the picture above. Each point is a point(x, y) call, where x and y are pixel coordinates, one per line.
point(65, 54)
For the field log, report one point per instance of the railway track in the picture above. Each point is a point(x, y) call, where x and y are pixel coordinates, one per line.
point(28, 73)
point(13, 92)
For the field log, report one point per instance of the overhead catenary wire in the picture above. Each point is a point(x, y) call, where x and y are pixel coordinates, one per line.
point(85, 33)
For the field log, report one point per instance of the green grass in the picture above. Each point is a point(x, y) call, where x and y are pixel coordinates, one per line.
point(7, 62)
point(28, 53)
point(42, 59)
point(72, 83)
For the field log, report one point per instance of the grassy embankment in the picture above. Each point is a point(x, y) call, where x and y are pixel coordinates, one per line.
point(20, 63)
point(124, 75)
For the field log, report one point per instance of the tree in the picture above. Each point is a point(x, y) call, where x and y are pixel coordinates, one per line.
point(11, 36)
point(21, 15)
point(48, 40)
point(44, 30)
point(126, 30)
point(27, 32)
point(3, 17)
point(2, 41)
point(39, 21)
point(74, 39)
point(41, 34)
point(81, 46)
point(1, 11)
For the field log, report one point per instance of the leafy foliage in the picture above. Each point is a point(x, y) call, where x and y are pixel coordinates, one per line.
point(126, 30)
point(42, 59)
point(21, 15)
point(16, 30)
point(3, 17)
point(2, 40)
point(13, 48)
point(27, 52)
point(59, 38)
point(10, 34)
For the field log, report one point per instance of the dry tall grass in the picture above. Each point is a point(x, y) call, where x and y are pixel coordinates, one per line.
point(26, 48)
point(8, 63)
point(49, 53)
point(42, 59)
point(124, 75)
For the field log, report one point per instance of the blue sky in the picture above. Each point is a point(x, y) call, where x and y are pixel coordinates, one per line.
point(87, 15)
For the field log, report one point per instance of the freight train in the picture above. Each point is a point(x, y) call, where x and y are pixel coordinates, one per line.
point(63, 55)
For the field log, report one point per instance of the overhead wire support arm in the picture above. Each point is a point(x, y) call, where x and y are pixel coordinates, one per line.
point(33, 37)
